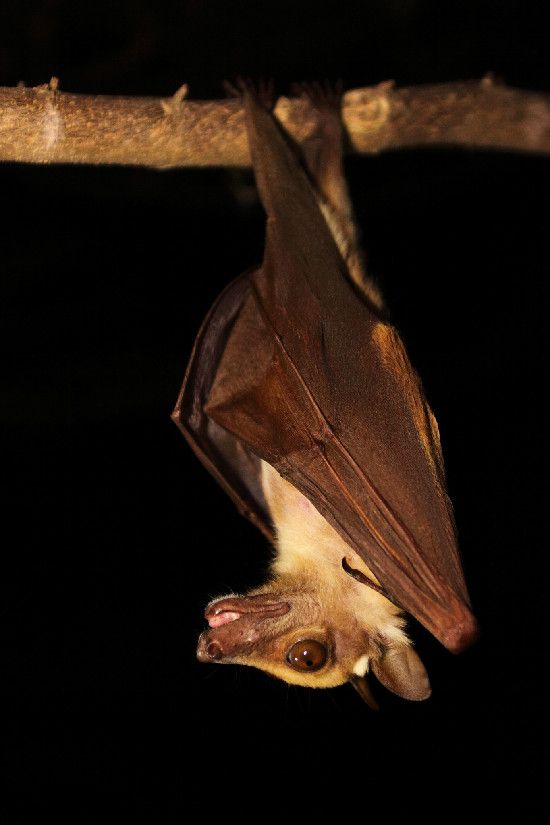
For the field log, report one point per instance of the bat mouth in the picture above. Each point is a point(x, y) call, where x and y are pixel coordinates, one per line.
point(224, 611)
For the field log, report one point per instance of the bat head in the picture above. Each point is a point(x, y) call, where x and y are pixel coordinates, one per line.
point(309, 637)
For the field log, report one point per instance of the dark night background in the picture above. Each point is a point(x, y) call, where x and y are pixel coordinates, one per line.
point(115, 536)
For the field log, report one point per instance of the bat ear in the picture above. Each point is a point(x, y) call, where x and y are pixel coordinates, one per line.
point(401, 671)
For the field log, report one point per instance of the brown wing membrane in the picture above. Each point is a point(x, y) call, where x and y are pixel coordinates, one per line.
point(225, 456)
point(293, 367)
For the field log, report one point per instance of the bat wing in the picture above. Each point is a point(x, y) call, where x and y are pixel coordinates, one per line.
point(292, 366)
point(226, 456)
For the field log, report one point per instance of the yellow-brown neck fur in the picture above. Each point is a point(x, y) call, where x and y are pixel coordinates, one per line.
point(309, 556)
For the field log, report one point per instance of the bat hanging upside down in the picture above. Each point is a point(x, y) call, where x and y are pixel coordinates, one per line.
point(300, 400)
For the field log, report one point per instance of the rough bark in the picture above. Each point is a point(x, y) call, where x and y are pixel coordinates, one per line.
point(44, 125)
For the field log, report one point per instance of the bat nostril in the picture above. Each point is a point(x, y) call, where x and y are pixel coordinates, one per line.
point(214, 650)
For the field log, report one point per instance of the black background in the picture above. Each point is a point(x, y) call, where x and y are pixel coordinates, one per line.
point(114, 534)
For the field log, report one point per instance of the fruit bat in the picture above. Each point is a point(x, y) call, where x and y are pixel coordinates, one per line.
point(301, 401)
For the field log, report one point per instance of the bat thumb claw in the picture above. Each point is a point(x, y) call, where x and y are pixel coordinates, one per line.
point(362, 687)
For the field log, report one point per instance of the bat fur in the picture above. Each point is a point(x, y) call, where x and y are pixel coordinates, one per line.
point(360, 628)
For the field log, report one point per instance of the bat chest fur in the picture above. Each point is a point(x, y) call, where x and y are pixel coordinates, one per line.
point(309, 550)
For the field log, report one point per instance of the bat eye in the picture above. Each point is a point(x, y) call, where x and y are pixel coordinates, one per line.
point(307, 655)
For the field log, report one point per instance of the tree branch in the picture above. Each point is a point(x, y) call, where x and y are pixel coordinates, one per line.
point(43, 125)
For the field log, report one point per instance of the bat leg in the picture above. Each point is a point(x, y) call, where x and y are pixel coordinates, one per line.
point(323, 151)
point(322, 156)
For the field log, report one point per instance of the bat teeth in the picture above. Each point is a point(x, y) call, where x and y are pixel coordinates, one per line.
point(221, 617)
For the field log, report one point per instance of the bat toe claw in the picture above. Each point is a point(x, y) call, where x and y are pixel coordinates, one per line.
point(323, 96)
point(263, 92)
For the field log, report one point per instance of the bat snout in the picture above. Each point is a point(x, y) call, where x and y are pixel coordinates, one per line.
point(236, 625)
point(209, 649)
point(221, 644)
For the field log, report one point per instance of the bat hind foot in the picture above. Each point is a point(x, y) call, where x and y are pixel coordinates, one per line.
point(326, 99)
point(322, 96)
point(262, 91)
